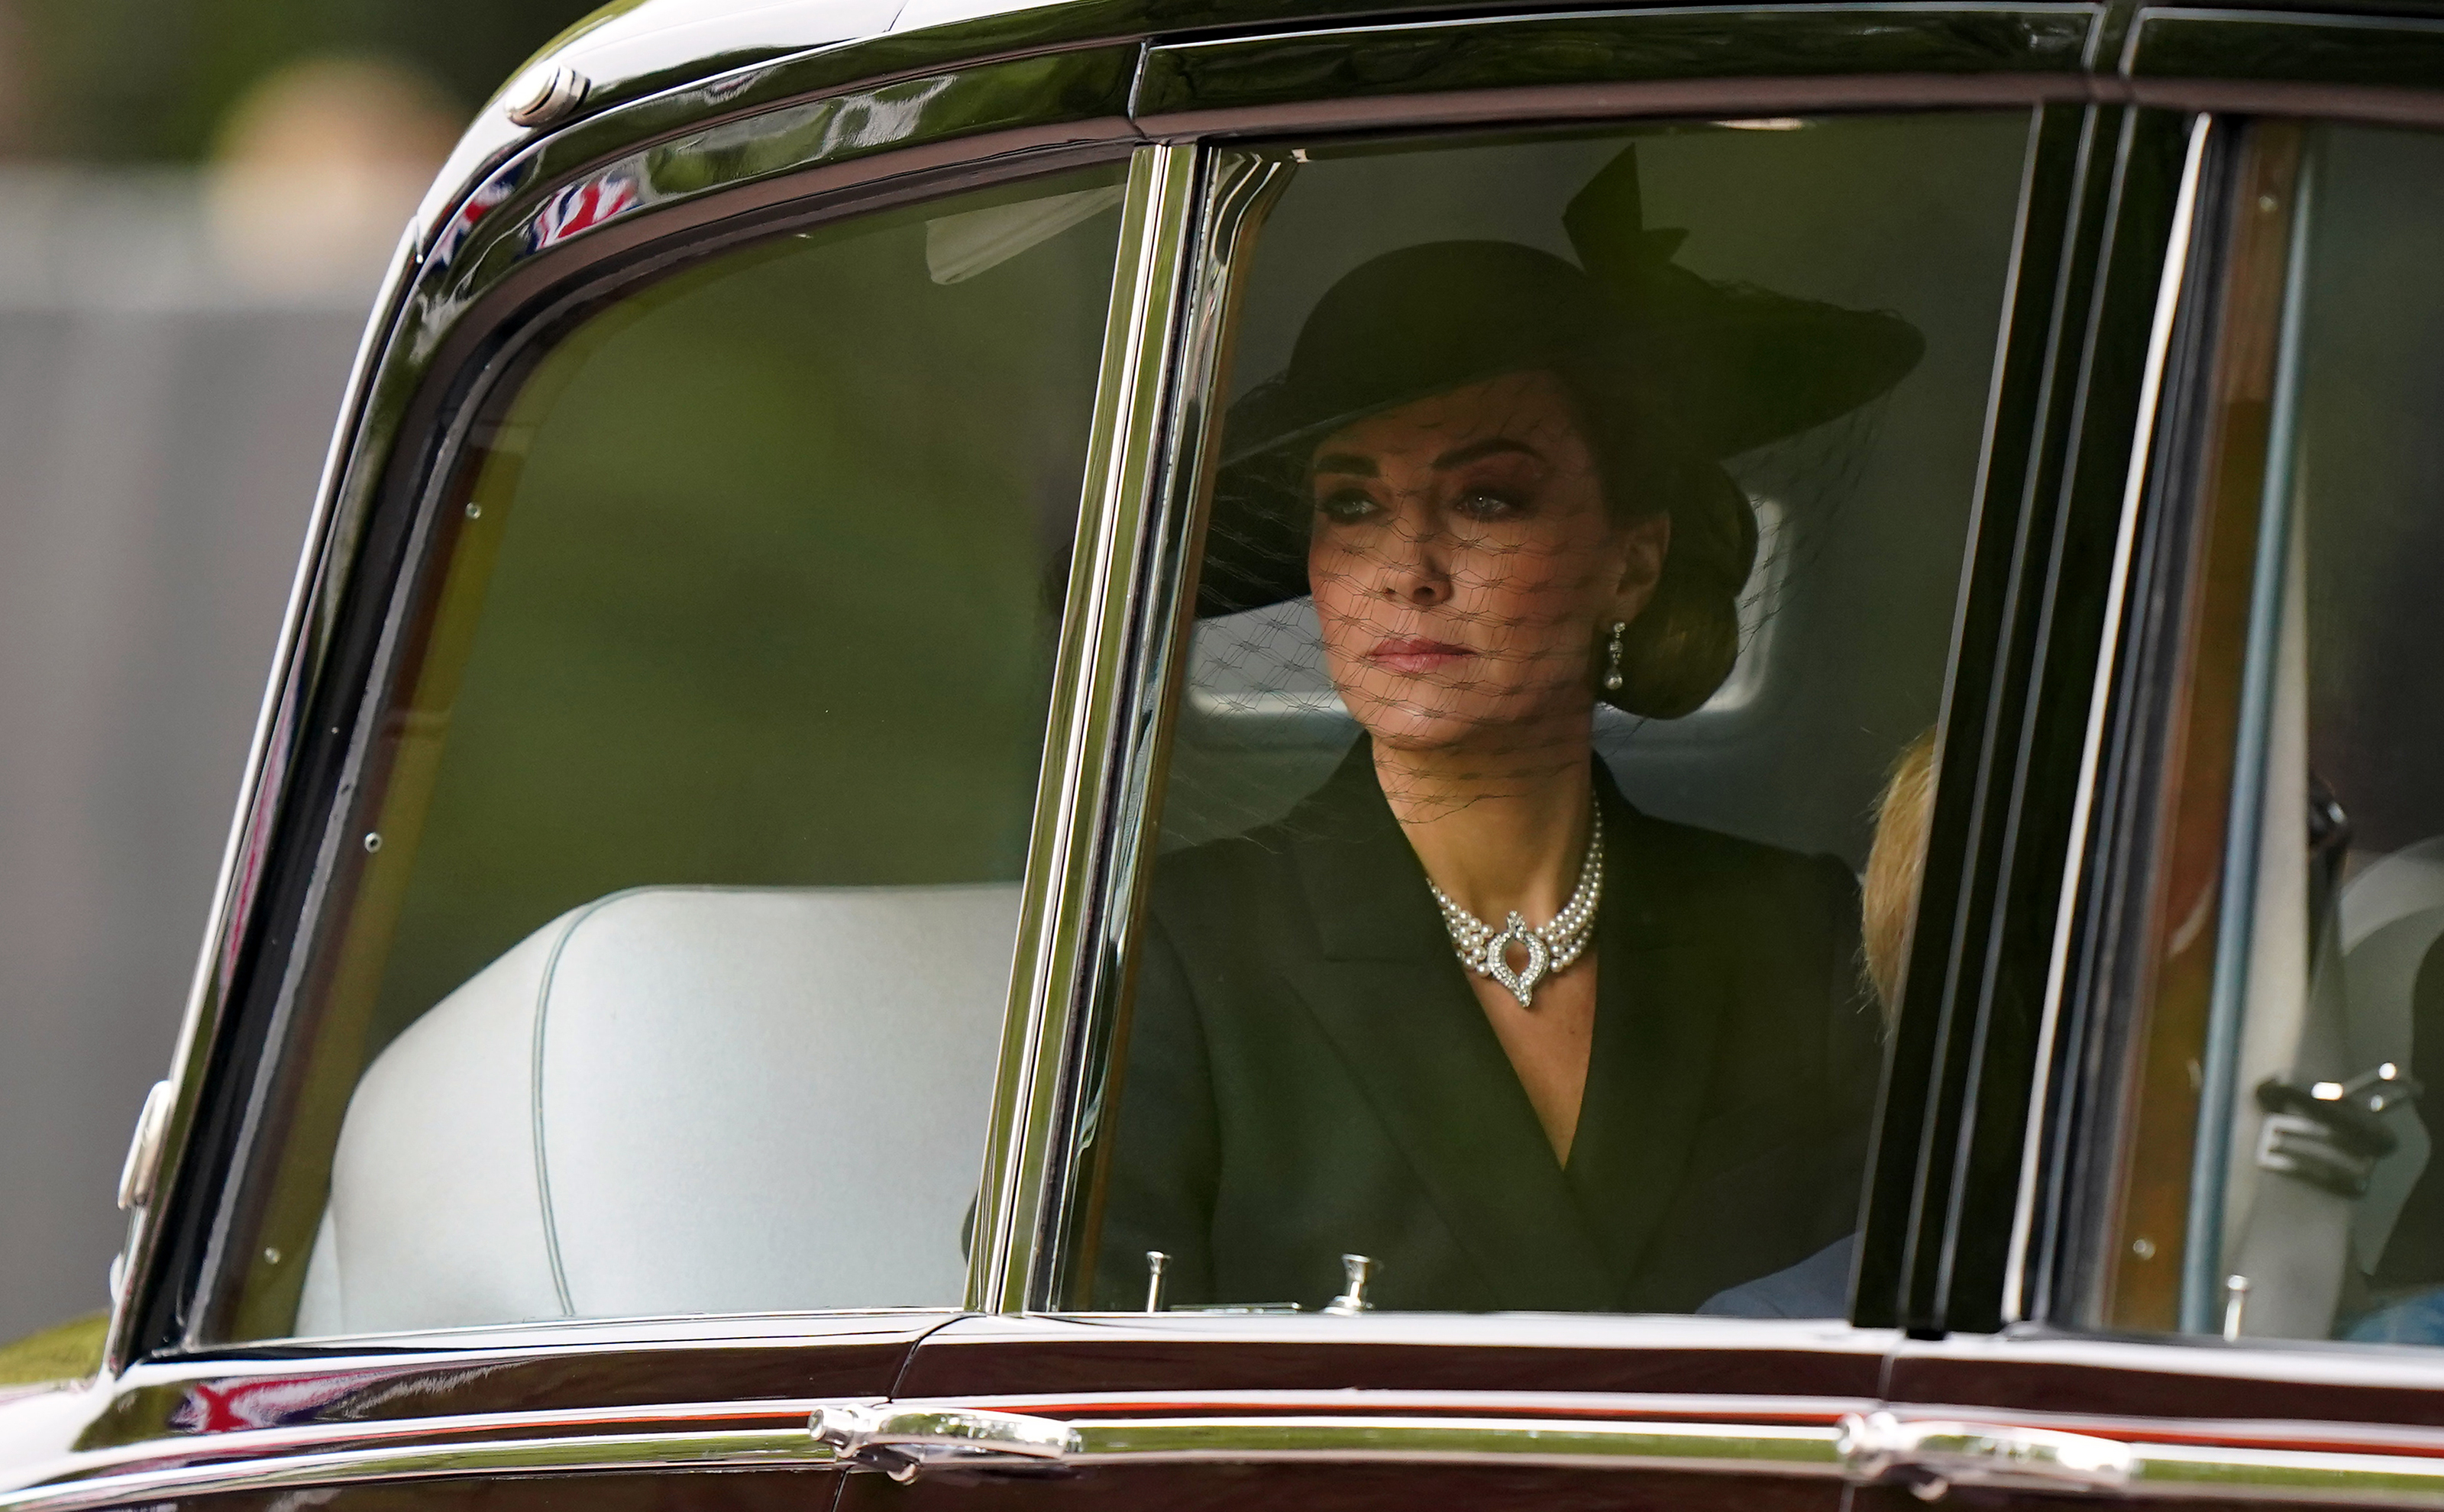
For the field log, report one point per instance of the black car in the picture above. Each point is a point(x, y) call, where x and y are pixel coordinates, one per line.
point(823, 890)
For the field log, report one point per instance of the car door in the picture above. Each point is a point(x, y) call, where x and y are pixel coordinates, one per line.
point(1909, 563)
point(2222, 1263)
point(599, 1044)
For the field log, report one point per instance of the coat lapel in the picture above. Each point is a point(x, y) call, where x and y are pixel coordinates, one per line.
point(1388, 992)
point(1651, 1070)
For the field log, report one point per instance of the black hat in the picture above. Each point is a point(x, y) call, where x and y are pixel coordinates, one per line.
point(1720, 369)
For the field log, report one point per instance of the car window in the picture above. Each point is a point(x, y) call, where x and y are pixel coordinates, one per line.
point(665, 967)
point(2294, 1191)
point(1586, 529)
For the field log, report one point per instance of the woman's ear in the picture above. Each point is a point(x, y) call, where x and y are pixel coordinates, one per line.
point(1644, 545)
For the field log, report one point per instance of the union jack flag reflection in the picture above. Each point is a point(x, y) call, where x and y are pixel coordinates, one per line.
point(582, 207)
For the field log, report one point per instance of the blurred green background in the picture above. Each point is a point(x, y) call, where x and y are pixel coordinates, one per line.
point(197, 199)
point(154, 81)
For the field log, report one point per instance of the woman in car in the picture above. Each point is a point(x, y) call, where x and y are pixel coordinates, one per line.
point(1466, 1011)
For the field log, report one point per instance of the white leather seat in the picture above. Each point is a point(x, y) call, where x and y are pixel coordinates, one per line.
point(2391, 916)
point(679, 1100)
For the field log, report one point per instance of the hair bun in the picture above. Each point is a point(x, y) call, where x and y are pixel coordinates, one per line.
point(1681, 646)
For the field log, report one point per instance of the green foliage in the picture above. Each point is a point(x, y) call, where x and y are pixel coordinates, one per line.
point(782, 543)
point(70, 1352)
point(151, 79)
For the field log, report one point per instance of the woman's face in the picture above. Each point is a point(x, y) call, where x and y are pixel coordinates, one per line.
point(1463, 562)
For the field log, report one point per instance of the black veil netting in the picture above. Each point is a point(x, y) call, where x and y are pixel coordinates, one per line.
point(1711, 369)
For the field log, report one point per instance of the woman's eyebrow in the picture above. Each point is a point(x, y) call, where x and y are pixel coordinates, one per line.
point(1350, 464)
point(1461, 456)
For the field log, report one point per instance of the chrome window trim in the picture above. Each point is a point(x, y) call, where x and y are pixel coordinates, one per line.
point(1232, 190)
point(244, 849)
point(1079, 802)
point(2160, 341)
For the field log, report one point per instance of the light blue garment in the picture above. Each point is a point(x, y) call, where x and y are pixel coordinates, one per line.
point(2418, 1320)
point(1818, 1286)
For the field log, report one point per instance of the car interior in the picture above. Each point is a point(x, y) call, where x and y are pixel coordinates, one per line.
point(2345, 973)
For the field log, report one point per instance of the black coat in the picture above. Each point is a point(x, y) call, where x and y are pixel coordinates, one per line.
point(1307, 1074)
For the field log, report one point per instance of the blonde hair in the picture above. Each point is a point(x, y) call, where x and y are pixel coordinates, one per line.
point(1895, 863)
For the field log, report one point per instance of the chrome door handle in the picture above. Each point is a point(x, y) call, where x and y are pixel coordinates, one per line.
point(1931, 1456)
point(901, 1441)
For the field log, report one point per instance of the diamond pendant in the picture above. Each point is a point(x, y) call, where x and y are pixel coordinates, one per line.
point(1520, 984)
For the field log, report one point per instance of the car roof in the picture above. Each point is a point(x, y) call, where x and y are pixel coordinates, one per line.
point(630, 41)
point(632, 51)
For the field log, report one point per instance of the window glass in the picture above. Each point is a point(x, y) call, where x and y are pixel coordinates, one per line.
point(1588, 528)
point(666, 962)
point(2324, 1210)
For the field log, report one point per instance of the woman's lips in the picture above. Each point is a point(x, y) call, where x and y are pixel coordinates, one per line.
point(1412, 654)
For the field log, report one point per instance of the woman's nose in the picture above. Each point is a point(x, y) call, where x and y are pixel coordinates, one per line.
point(1415, 566)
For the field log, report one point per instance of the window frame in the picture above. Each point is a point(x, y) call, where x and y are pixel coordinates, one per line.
point(2251, 73)
point(2030, 415)
point(368, 564)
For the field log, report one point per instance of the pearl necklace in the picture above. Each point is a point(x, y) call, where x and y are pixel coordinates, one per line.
point(1486, 951)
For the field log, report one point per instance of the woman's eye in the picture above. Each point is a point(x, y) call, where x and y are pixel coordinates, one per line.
point(1345, 507)
point(1484, 504)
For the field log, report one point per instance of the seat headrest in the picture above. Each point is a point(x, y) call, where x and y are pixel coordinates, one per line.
point(681, 1099)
